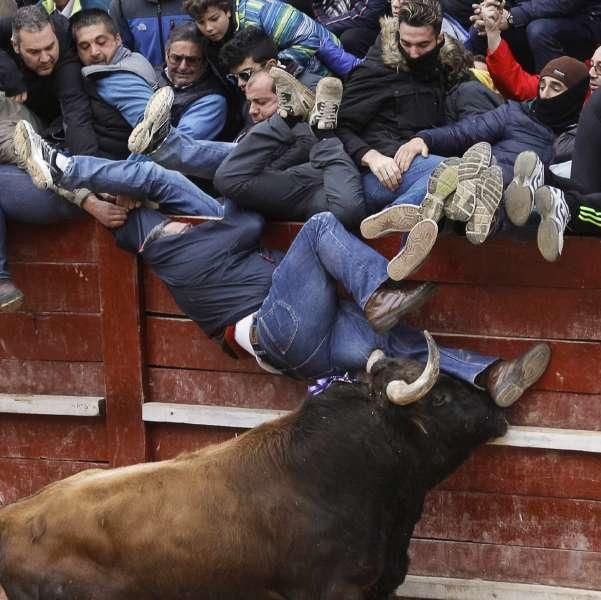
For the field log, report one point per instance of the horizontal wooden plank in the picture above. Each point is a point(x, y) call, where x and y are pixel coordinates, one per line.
point(51, 377)
point(566, 568)
point(157, 297)
point(57, 287)
point(260, 390)
point(58, 337)
point(20, 478)
point(67, 241)
point(440, 588)
point(66, 406)
point(551, 439)
point(59, 438)
point(511, 519)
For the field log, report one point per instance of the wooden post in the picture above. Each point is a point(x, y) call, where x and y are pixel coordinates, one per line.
point(121, 313)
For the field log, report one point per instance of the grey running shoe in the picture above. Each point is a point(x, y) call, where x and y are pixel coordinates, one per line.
point(554, 218)
point(11, 297)
point(328, 96)
point(420, 241)
point(394, 219)
point(36, 154)
point(528, 176)
point(442, 183)
point(152, 130)
point(294, 99)
point(475, 159)
point(489, 191)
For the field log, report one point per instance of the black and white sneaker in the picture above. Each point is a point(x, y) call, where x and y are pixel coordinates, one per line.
point(328, 95)
point(152, 130)
point(528, 176)
point(554, 218)
point(38, 156)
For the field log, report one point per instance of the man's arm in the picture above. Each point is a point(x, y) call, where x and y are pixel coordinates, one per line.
point(205, 118)
point(127, 92)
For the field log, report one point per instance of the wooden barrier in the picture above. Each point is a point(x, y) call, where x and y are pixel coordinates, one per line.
point(144, 383)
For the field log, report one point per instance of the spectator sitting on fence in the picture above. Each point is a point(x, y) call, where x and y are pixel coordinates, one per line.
point(253, 299)
point(299, 39)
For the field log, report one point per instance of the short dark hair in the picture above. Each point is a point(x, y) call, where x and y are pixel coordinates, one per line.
point(30, 18)
point(197, 8)
point(421, 13)
point(247, 43)
point(93, 16)
point(185, 33)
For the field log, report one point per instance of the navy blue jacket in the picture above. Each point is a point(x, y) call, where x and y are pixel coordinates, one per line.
point(510, 129)
point(524, 12)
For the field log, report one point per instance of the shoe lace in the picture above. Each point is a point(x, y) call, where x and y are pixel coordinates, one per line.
point(327, 111)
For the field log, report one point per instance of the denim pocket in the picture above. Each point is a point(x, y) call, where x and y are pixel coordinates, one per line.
point(280, 324)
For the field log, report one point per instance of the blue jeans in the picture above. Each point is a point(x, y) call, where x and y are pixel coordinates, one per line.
point(198, 158)
point(170, 189)
point(306, 330)
point(21, 201)
point(411, 190)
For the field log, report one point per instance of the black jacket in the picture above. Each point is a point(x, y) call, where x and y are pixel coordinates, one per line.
point(524, 12)
point(60, 96)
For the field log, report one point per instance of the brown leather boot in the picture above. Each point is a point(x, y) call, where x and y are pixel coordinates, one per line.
point(508, 379)
point(386, 305)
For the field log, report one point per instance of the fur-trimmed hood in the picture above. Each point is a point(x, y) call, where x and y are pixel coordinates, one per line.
point(454, 59)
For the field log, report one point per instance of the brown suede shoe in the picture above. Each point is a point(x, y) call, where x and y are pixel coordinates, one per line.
point(386, 306)
point(509, 379)
point(11, 297)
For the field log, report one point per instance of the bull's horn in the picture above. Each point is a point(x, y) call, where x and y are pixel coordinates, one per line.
point(400, 392)
point(374, 357)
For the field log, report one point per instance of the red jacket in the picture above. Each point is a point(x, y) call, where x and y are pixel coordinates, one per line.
point(510, 79)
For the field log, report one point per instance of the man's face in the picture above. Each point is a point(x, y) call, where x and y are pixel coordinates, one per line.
point(262, 100)
point(416, 41)
point(595, 70)
point(549, 87)
point(395, 7)
point(214, 23)
point(38, 50)
point(95, 45)
point(185, 63)
point(241, 73)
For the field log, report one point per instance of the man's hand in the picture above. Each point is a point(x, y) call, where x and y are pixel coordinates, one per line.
point(384, 168)
point(492, 19)
point(478, 17)
point(19, 98)
point(127, 202)
point(408, 151)
point(106, 213)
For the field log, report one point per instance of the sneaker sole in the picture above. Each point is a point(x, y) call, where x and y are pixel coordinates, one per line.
point(535, 364)
point(307, 96)
point(420, 241)
point(157, 113)
point(394, 219)
point(38, 171)
point(491, 192)
point(13, 304)
point(463, 203)
point(519, 196)
point(442, 183)
point(548, 237)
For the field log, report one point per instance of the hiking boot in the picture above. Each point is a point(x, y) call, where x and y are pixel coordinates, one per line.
point(328, 96)
point(394, 219)
point(420, 241)
point(442, 183)
point(528, 176)
point(386, 306)
point(489, 191)
point(154, 128)
point(11, 297)
point(38, 156)
point(475, 159)
point(294, 99)
point(554, 218)
point(508, 379)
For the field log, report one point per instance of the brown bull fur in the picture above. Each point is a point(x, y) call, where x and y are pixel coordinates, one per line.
point(317, 505)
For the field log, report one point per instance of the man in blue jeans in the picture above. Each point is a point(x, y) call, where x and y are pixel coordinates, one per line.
point(282, 309)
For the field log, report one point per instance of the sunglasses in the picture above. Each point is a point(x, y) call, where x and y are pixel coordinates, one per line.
point(244, 75)
point(178, 59)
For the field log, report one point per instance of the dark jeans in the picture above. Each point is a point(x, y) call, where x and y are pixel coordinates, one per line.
point(21, 201)
point(257, 174)
point(586, 174)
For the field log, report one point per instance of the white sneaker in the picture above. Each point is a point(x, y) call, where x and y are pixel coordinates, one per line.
point(554, 218)
point(528, 176)
point(489, 191)
point(328, 96)
point(152, 130)
point(294, 99)
point(36, 154)
point(394, 219)
point(420, 241)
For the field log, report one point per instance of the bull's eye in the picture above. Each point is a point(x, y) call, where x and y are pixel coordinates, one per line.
point(440, 400)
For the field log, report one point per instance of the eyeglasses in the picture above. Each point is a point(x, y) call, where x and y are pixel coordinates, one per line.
point(243, 75)
point(597, 67)
point(178, 59)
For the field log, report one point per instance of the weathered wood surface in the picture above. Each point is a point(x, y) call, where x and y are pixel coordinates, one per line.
point(509, 514)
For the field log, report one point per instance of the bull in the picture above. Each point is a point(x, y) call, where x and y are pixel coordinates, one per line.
point(317, 505)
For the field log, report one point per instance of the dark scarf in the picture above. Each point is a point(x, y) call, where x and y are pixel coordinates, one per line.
point(563, 110)
point(426, 65)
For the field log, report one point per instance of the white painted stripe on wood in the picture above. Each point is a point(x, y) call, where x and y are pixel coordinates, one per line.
point(445, 588)
point(70, 406)
point(231, 416)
